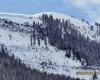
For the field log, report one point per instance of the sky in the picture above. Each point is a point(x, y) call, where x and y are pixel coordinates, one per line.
point(88, 10)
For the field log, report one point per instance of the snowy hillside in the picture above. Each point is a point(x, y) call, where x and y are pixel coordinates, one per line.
point(19, 18)
point(41, 57)
point(83, 27)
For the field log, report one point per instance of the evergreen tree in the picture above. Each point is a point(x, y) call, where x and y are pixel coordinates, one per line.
point(94, 76)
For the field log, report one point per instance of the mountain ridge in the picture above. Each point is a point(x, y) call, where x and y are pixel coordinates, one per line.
point(47, 43)
point(80, 25)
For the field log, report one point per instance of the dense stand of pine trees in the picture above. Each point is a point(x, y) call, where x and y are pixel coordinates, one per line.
point(61, 34)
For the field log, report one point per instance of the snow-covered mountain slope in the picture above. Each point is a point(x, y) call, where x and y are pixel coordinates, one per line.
point(83, 27)
point(44, 58)
point(50, 60)
point(19, 18)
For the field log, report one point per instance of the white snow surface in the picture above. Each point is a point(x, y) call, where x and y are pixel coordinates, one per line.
point(20, 46)
point(33, 57)
point(82, 26)
point(19, 18)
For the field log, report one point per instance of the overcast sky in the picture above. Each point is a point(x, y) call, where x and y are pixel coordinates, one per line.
point(86, 9)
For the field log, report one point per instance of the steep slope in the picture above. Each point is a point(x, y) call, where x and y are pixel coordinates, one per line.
point(43, 46)
point(38, 57)
point(13, 69)
point(82, 26)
